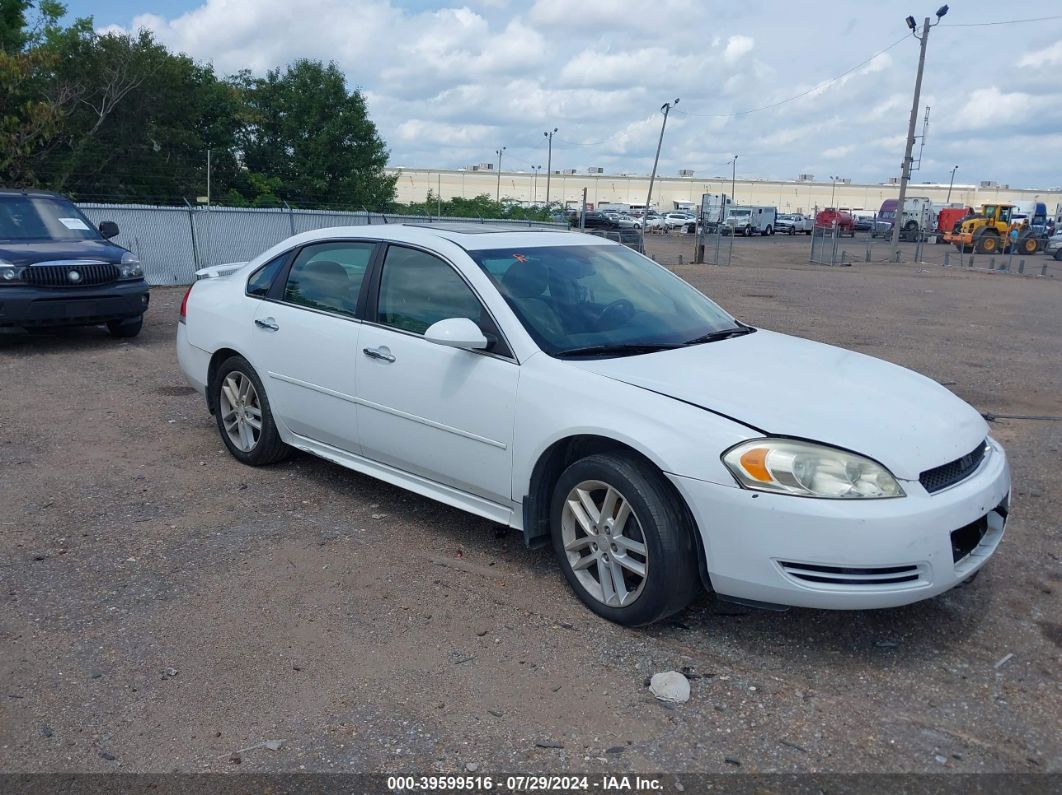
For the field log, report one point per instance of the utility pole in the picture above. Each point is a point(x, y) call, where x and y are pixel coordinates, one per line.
point(833, 191)
point(951, 184)
point(208, 177)
point(549, 161)
point(498, 152)
point(905, 167)
point(666, 108)
point(733, 179)
point(534, 183)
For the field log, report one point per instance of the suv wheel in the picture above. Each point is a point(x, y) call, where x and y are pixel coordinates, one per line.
point(623, 545)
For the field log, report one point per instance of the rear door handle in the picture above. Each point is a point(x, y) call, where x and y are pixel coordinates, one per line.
point(268, 323)
point(382, 353)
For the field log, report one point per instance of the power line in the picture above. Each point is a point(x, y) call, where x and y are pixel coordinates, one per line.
point(802, 94)
point(1002, 22)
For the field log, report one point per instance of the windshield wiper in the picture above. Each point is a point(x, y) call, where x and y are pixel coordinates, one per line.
point(628, 349)
point(715, 336)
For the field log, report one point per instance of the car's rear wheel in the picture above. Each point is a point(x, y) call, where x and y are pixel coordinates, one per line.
point(624, 545)
point(123, 329)
point(245, 420)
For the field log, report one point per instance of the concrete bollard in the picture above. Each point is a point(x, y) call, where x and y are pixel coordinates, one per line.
point(991, 263)
point(1043, 269)
point(1021, 266)
point(680, 259)
point(947, 263)
point(867, 259)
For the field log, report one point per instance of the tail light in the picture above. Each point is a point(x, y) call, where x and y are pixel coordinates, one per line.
point(184, 306)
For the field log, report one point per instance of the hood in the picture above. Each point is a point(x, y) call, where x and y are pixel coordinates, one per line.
point(46, 250)
point(787, 386)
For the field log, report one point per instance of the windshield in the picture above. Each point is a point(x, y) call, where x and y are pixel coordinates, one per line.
point(43, 218)
point(574, 297)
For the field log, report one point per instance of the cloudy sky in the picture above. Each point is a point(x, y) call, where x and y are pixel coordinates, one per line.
point(449, 83)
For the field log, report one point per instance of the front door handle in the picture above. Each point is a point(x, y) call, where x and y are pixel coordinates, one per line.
point(381, 353)
point(268, 323)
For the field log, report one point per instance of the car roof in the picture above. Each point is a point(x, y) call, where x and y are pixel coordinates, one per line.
point(469, 236)
point(30, 192)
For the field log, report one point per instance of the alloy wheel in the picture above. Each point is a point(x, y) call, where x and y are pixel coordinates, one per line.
point(604, 543)
point(241, 411)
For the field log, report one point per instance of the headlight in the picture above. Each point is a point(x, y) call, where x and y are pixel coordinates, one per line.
point(10, 274)
point(130, 267)
point(787, 466)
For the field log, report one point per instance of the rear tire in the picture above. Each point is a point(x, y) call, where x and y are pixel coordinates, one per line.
point(124, 329)
point(240, 404)
point(624, 544)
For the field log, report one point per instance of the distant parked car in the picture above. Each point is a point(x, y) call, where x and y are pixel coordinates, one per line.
point(651, 220)
point(58, 269)
point(676, 220)
point(1053, 248)
point(793, 223)
point(844, 220)
point(594, 220)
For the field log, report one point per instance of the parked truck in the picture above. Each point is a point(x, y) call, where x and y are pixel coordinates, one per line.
point(918, 217)
point(749, 221)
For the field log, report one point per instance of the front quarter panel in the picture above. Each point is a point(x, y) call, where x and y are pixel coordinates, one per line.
point(557, 400)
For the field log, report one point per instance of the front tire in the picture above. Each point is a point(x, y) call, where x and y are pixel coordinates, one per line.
point(624, 545)
point(124, 329)
point(244, 418)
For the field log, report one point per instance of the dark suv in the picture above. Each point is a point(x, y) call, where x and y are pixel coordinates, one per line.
point(57, 269)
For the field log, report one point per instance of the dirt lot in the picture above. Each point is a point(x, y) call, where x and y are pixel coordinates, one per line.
point(165, 606)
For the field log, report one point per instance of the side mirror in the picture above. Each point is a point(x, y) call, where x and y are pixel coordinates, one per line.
point(457, 332)
point(108, 229)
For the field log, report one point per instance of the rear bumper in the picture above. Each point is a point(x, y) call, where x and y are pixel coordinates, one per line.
point(842, 555)
point(34, 307)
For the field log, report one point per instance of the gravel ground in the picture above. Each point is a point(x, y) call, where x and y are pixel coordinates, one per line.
point(166, 607)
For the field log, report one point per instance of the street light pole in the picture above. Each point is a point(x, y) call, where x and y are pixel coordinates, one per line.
point(534, 183)
point(498, 152)
point(905, 167)
point(549, 160)
point(733, 179)
point(666, 108)
point(833, 191)
point(951, 184)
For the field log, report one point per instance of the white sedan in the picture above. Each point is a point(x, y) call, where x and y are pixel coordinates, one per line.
point(578, 392)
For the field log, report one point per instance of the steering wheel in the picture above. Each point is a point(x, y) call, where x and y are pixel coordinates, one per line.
point(616, 313)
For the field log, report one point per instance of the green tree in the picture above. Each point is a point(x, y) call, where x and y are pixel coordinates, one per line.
point(306, 128)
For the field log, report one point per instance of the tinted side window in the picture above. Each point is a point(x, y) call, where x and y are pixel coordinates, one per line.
point(417, 290)
point(328, 276)
point(262, 279)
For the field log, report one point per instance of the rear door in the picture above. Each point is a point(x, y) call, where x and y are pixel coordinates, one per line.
point(307, 338)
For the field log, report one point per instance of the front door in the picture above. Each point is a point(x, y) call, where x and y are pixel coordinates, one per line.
point(439, 412)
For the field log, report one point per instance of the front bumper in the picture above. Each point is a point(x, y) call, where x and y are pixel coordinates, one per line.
point(35, 307)
point(850, 554)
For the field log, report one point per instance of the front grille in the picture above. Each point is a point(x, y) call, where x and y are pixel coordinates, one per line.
point(848, 575)
point(89, 274)
point(949, 474)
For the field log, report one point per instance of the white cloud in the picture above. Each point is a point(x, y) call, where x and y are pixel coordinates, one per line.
point(1047, 57)
point(448, 81)
point(736, 46)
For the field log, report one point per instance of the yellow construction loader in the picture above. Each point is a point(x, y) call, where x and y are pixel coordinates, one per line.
point(988, 232)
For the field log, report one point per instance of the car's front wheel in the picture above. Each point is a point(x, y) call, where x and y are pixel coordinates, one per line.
point(245, 420)
point(624, 545)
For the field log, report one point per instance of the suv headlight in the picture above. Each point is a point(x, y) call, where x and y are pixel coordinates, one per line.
point(11, 274)
point(806, 469)
point(130, 266)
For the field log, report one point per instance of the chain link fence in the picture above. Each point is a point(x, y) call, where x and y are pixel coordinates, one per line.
point(174, 242)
